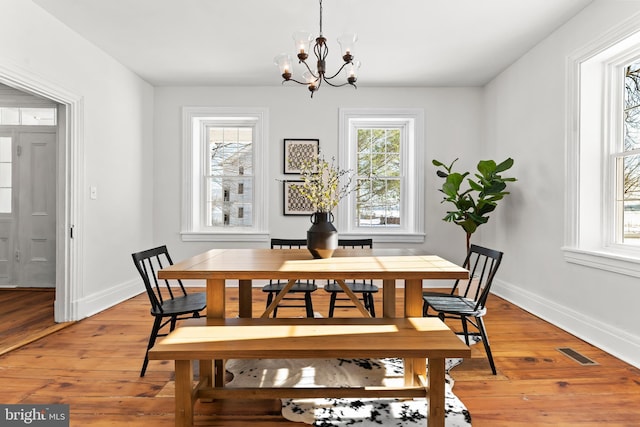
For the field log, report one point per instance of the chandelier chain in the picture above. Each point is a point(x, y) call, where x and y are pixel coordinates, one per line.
point(320, 18)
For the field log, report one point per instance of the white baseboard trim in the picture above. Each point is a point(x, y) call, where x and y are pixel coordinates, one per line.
point(99, 301)
point(618, 343)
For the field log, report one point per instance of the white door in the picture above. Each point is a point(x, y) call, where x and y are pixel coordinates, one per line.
point(28, 222)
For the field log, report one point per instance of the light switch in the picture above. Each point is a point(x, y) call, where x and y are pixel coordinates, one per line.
point(93, 192)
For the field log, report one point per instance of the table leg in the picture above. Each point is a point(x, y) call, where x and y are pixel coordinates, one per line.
point(435, 380)
point(413, 298)
point(183, 393)
point(389, 298)
point(245, 299)
point(215, 299)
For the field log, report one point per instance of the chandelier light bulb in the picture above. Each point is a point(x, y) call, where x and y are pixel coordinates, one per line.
point(285, 64)
point(351, 70)
point(347, 43)
point(302, 42)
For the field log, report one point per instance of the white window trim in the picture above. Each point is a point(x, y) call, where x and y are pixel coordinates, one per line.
point(588, 172)
point(412, 183)
point(192, 164)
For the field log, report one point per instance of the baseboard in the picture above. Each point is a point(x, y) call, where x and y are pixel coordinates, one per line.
point(618, 343)
point(99, 301)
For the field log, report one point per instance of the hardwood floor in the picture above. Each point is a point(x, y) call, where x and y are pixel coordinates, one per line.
point(93, 365)
point(27, 315)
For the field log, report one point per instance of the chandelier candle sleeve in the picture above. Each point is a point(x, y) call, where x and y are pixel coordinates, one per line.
point(313, 78)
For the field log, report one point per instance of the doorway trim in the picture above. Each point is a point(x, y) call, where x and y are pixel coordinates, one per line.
point(69, 180)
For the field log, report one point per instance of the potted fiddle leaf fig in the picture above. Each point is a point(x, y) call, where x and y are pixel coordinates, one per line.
point(473, 205)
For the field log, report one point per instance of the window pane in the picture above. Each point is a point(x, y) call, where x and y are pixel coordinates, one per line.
point(631, 199)
point(38, 116)
point(5, 149)
point(9, 116)
point(378, 203)
point(230, 151)
point(5, 175)
point(5, 200)
point(632, 107)
point(364, 140)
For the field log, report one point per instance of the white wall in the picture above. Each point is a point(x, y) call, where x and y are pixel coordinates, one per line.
point(114, 139)
point(526, 114)
point(520, 114)
point(452, 129)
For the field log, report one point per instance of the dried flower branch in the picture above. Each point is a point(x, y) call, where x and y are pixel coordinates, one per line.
point(325, 184)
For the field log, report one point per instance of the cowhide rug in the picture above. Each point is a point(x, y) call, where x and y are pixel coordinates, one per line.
point(345, 372)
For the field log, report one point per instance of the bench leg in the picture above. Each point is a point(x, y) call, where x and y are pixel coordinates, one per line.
point(435, 378)
point(245, 299)
point(389, 298)
point(184, 392)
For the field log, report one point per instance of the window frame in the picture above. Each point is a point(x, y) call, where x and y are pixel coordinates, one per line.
point(594, 135)
point(194, 121)
point(412, 209)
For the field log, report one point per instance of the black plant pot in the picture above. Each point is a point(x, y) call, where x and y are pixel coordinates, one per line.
point(322, 237)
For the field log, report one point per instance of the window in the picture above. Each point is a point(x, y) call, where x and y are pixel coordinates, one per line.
point(32, 116)
point(384, 149)
point(225, 174)
point(603, 155)
point(626, 159)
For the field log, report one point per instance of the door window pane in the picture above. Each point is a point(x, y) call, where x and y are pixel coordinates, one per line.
point(28, 116)
point(5, 174)
point(9, 116)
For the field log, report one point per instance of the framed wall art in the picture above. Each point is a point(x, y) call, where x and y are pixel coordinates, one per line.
point(294, 202)
point(297, 151)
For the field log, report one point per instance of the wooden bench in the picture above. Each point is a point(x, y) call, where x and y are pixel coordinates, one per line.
point(414, 339)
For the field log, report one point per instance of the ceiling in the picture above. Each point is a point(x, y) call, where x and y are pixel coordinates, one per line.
point(233, 42)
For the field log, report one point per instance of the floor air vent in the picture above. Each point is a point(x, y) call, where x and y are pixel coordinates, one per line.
point(580, 358)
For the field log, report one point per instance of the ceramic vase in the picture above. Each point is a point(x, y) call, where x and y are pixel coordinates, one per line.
point(322, 236)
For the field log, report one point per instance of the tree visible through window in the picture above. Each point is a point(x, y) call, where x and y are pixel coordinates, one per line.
point(378, 159)
point(628, 161)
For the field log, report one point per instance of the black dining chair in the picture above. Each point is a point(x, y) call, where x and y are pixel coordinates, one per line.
point(365, 288)
point(169, 299)
point(305, 287)
point(467, 300)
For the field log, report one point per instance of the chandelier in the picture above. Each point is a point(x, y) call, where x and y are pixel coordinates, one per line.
point(313, 78)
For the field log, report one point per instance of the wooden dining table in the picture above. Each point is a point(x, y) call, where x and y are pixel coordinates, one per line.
point(219, 266)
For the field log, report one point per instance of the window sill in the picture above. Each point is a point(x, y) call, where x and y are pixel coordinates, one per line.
point(609, 260)
point(210, 236)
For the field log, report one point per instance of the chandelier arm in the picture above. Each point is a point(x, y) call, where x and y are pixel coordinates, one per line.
point(335, 85)
point(295, 81)
point(339, 70)
point(312, 73)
